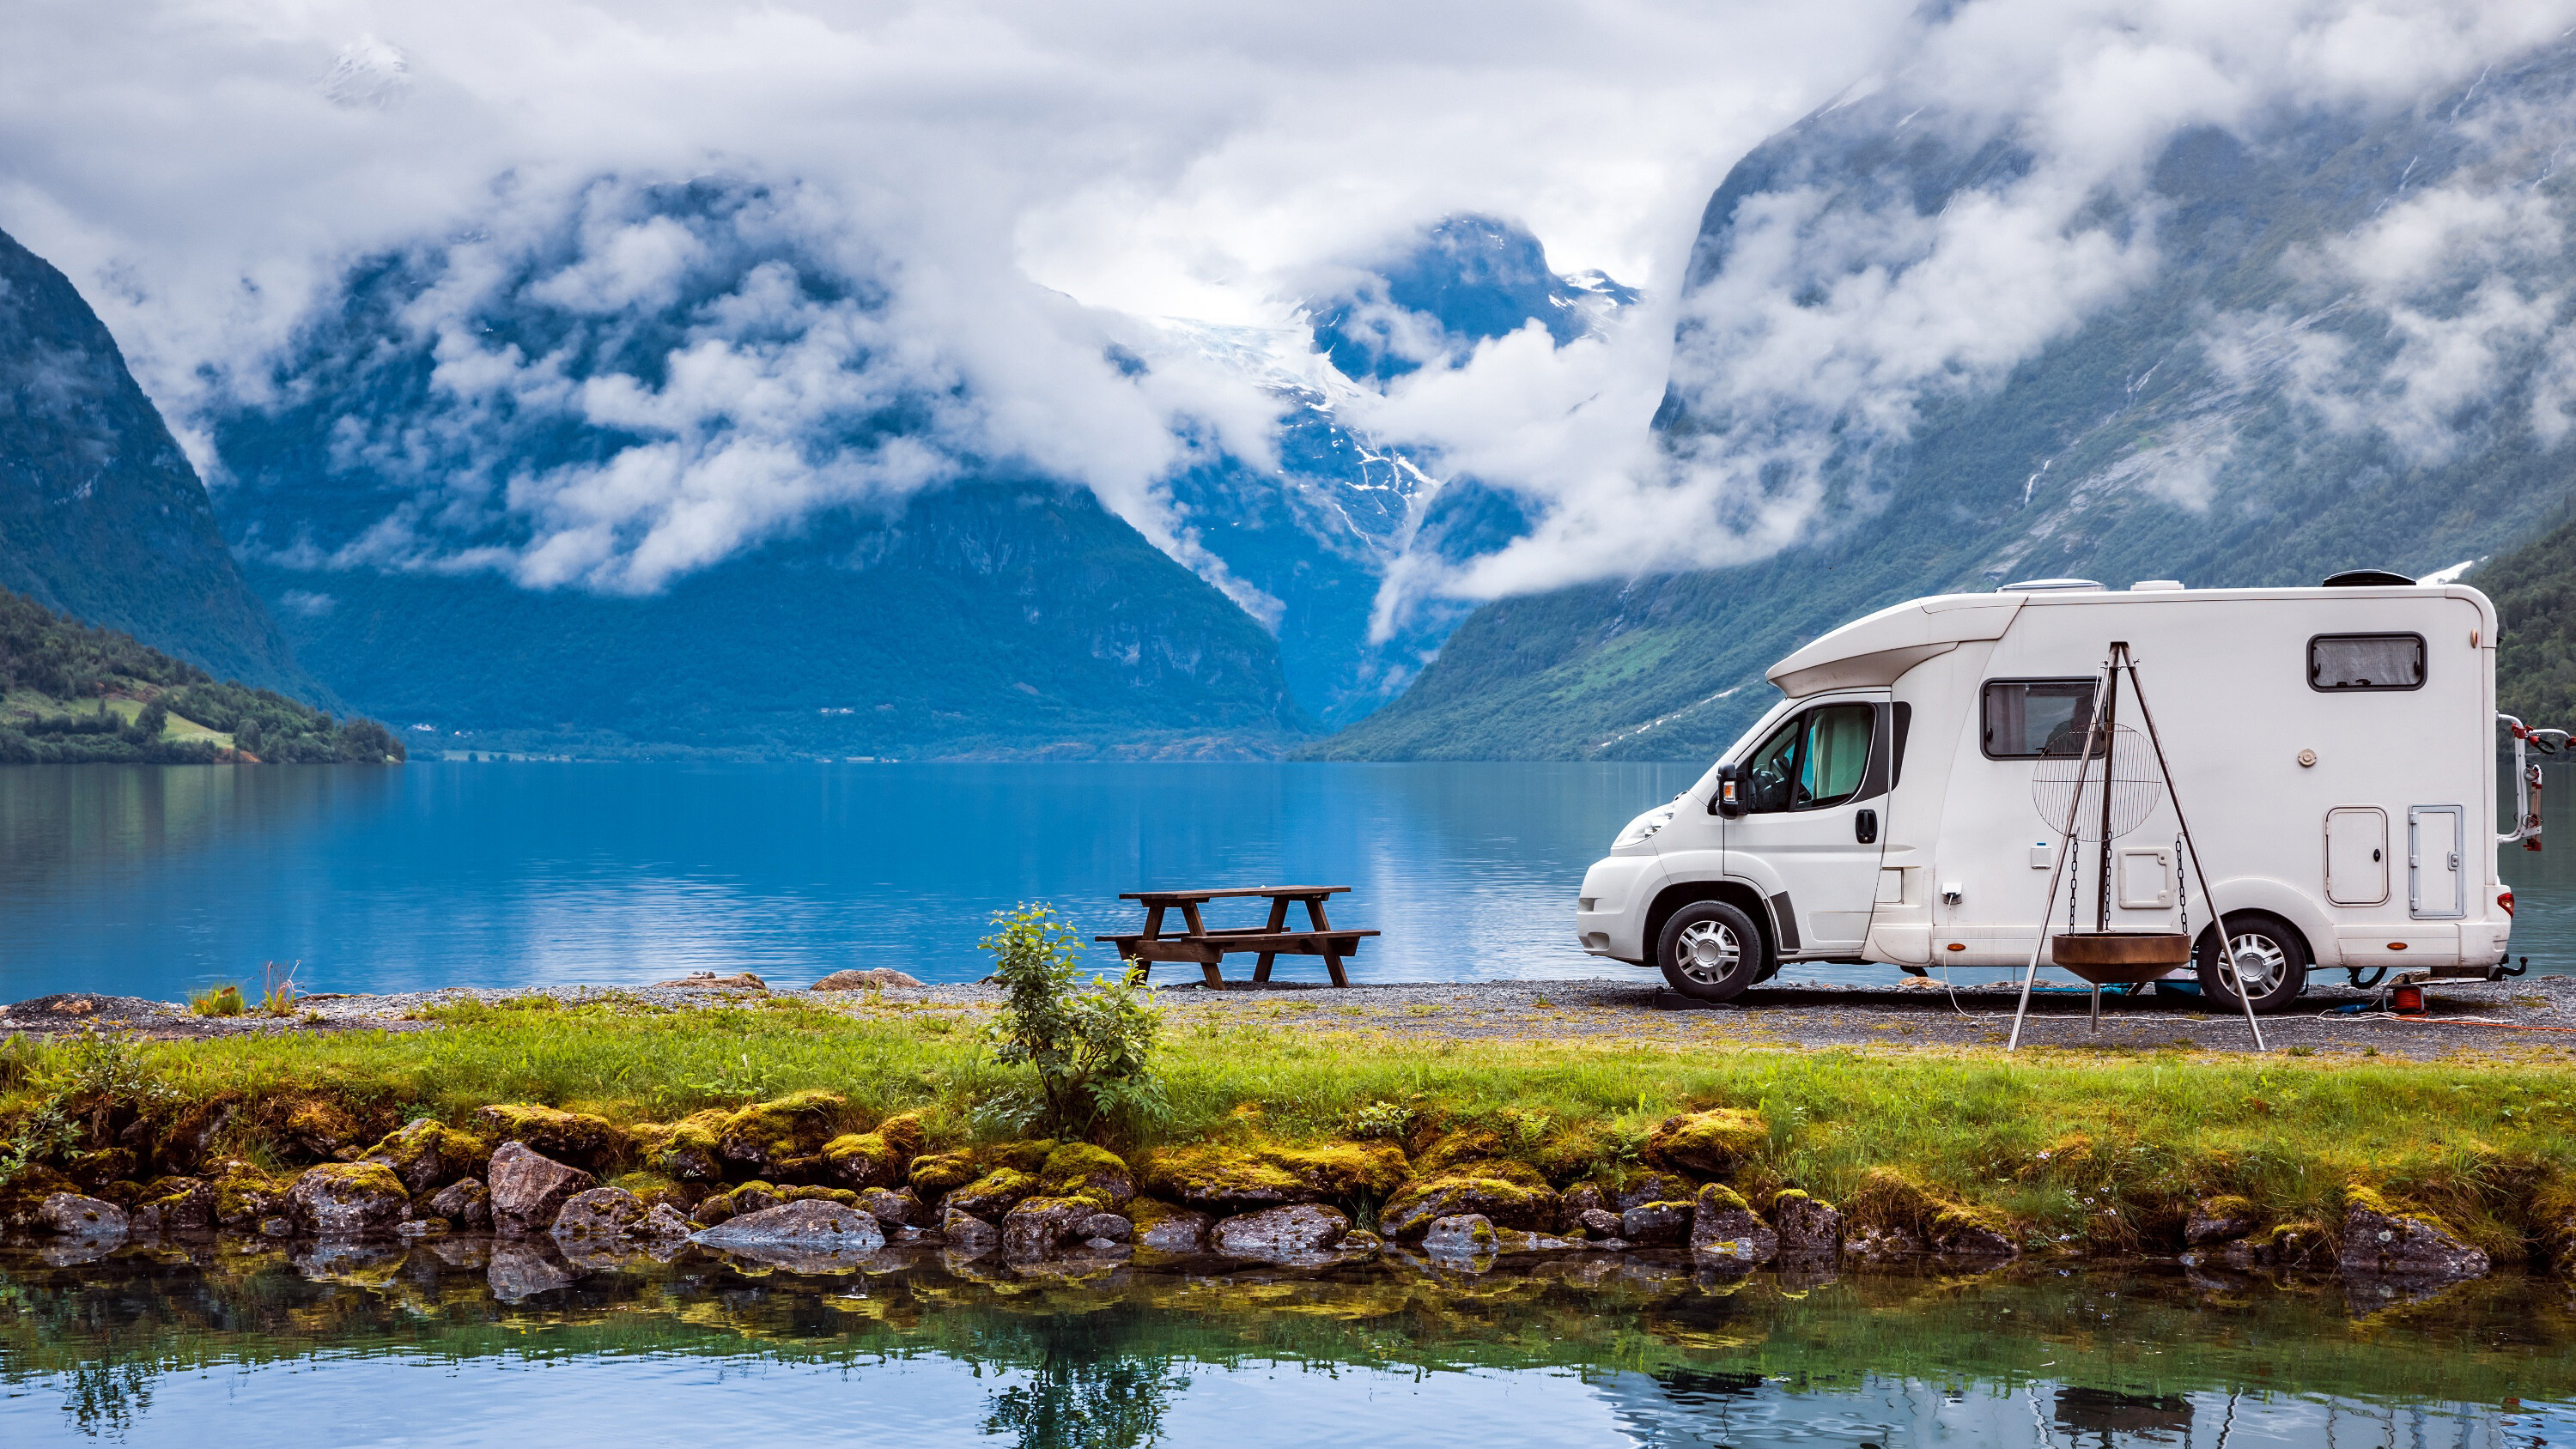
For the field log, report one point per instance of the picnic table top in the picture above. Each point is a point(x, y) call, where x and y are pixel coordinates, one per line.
point(1175, 897)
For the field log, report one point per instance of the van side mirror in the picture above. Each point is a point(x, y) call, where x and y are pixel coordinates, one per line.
point(1728, 800)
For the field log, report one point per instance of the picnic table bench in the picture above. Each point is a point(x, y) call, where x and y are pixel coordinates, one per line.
point(1267, 942)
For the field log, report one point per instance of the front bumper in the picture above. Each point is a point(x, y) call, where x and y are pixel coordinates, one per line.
point(1610, 917)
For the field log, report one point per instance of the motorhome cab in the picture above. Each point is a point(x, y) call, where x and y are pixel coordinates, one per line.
point(2332, 747)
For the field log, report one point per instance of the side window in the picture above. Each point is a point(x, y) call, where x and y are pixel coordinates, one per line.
point(2366, 661)
point(1772, 772)
point(2025, 719)
point(1836, 755)
point(1815, 759)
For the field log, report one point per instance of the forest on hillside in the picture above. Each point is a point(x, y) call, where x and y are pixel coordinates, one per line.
point(72, 694)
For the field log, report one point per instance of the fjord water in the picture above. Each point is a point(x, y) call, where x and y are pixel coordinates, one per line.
point(212, 1347)
point(155, 880)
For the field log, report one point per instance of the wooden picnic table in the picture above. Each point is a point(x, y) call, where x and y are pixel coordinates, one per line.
point(1267, 942)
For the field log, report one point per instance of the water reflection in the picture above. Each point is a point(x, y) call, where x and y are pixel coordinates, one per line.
point(250, 1344)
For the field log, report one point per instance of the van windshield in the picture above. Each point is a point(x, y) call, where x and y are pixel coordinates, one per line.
point(2028, 718)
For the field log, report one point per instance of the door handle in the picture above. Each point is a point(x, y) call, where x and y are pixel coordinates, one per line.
point(1865, 827)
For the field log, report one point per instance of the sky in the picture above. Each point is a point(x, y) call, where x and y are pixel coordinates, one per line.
point(1028, 180)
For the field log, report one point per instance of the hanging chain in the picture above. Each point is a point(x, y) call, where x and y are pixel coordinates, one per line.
point(2182, 888)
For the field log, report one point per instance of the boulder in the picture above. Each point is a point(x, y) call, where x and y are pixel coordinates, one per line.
point(522, 1268)
point(1038, 1225)
point(663, 1224)
point(967, 1235)
point(23, 1196)
point(812, 1225)
point(2383, 1240)
point(465, 1203)
point(1601, 1223)
point(880, 978)
point(1462, 1236)
point(897, 1208)
point(1956, 1236)
point(1710, 1143)
point(652, 1187)
point(422, 1228)
point(686, 1149)
point(1163, 1228)
point(1725, 1231)
point(1646, 1187)
point(529, 1188)
point(177, 1205)
point(598, 1213)
point(1078, 1169)
point(244, 1196)
point(993, 1194)
point(1507, 1194)
point(2283, 1245)
point(1291, 1235)
point(1108, 1227)
point(428, 1155)
point(940, 1173)
point(865, 1160)
point(1583, 1197)
point(1658, 1224)
point(1214, 1176)
point(1810, 1231)
point(765, 1135)
point(70, 1215)
point(575, 1137)
point(348, 1200)
point(710, 981)
point(2218, 1220)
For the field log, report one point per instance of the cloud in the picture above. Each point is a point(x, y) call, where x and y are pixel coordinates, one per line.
point(1006, 192)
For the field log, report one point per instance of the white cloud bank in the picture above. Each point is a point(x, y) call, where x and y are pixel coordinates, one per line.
point(1021, 178)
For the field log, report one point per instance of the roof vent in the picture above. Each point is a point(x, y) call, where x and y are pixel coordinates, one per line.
point(2156, 586)
point(2366, 579)
point(2047, 586)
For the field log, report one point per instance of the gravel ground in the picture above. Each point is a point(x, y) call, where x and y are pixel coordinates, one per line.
point(2533, 1014)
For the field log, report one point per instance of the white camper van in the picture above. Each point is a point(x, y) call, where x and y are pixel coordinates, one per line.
point(2333, 749)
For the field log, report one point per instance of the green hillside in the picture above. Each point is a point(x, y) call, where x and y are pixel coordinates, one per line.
point(2534, 588)
point(71, 694)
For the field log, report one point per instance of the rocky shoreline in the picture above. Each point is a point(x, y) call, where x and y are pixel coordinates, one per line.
point(781, 1185)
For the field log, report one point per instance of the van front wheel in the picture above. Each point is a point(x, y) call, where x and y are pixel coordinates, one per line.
point(1710, 951)
point(2264, 955)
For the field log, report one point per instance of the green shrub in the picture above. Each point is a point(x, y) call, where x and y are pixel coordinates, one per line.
point(224, 1000)
point(1092, 1048)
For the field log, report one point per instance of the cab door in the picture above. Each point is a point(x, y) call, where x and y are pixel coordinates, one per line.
point(1813, 819)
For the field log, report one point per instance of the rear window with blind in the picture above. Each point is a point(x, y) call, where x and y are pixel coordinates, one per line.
point(2366, 661)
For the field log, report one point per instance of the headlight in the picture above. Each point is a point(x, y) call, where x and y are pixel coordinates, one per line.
point(1643, 828)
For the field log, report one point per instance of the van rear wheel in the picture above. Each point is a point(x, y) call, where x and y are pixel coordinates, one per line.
point(1710, 951)
point(2264, 955)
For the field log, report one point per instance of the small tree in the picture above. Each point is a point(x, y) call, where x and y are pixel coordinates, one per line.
point(1092, 1048)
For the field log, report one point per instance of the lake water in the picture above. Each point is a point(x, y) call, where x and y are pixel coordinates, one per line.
point(257, 1347)
point(156, 880)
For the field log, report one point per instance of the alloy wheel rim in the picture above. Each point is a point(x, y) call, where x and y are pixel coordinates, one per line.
point(2254, 964)
point(1709, 952)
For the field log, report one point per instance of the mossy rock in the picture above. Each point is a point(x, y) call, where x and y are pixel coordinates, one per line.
point(650, 1188)
point(428, 1155)
point(568, 1137)
point(685, 1149)
point(863, 1159)
point(993, 1194)
point(1212, 1175)
point(26, 1192)
point(2553, 1215)
point(1712, 1143)
point(1093, 1174)
point(904, 1133)
point(942, 1172)
point(1025, 1156)
point(1467, 1144)
point(244, 1195)
point(766, 1134)
point(1520, 1200)
point(314, 1127)
point(100, 1168)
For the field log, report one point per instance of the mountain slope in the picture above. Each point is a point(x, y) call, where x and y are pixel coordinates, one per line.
point(101, 515)
point(70, 694)
point(2295, 385)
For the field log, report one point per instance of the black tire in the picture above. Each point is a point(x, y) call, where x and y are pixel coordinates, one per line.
point(2254, 936)
point(1710, 951)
